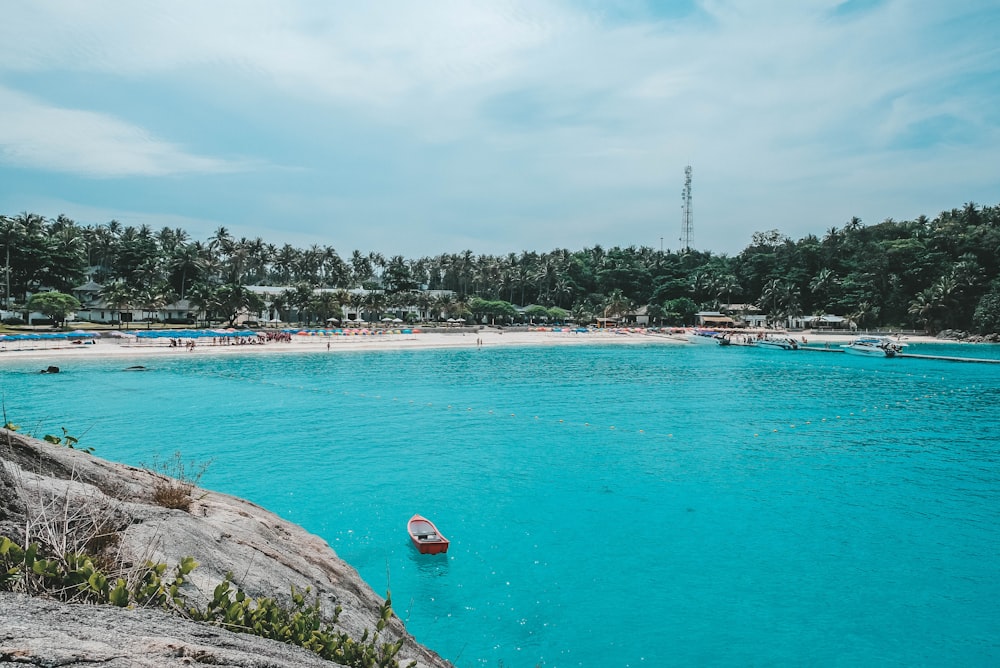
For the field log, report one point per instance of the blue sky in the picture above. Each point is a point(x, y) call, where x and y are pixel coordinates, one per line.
point(414, 128)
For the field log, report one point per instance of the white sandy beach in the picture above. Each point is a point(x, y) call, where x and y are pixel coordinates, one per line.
point(53, 351)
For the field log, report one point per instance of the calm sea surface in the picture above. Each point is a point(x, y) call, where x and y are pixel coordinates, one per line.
point(607, 506)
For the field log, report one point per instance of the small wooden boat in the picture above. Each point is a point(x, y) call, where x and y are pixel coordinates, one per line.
point(425, 536)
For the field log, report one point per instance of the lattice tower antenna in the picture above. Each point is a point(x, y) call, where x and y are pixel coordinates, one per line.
point(687, 217)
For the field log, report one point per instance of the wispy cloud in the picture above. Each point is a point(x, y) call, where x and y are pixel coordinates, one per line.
point(34, 135)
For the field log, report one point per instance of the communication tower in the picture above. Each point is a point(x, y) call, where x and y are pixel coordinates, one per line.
point(687, 217)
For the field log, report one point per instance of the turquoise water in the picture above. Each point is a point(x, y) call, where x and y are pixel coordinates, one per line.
point(607, 505)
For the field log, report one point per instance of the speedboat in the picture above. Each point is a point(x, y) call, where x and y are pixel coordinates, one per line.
point(778, 343)
point(704, 336)
point(425, 536)
point(873, 346)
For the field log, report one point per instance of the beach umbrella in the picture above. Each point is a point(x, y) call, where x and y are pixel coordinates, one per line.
point(397, 320)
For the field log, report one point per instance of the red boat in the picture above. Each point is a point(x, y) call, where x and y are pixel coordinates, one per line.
point(425, 536)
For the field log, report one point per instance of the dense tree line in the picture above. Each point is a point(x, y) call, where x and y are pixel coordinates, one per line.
point(932, 273)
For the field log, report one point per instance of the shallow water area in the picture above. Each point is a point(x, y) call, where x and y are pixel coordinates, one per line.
point(606, 505)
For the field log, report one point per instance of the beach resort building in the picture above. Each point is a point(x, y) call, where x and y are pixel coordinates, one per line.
point(94, 308)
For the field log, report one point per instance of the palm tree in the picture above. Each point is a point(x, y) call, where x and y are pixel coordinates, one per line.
point(864, 312)
point(278, 305)
point(10, 232)
point(357, 302)
point(153, 298)
point(120, 296)
point(924, 307)
point(726, 284)
point(616, 305)
point(65, 257)
point(325, 305)
point(821, 284)
point(188, 260)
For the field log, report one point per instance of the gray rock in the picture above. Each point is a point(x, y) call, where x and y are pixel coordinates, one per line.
point(53, 489)
point(41, 632)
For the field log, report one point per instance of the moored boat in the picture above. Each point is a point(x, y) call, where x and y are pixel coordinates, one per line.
point(425, 536)
point(778, 343)
point(873, 346)
point(704, 336)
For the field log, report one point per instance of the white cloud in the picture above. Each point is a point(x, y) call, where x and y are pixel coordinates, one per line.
point(539, 106)
point(36, 136)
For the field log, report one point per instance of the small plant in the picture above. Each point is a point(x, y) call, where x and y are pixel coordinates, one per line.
point(300, 624)
point(65, 440)
point(173, 490)
point(74, 577)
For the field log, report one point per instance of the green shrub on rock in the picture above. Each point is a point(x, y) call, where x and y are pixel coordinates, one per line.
point(74, 577)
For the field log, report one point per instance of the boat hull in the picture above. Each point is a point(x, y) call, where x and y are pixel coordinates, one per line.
point(773, 344)
point(866, 351)
point(873, 347)
point(704, 337)
point(425, 536)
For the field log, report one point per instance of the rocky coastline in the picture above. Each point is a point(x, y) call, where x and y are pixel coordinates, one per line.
point(51, 488)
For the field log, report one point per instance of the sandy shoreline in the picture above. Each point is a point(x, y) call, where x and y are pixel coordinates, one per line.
point(485, 338)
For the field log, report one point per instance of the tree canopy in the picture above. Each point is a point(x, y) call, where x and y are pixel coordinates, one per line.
point(56, 305)
point(931, 273)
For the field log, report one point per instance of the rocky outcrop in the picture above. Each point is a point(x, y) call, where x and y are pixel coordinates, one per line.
point(45, 487)
point(40, 632)
point(959, 335)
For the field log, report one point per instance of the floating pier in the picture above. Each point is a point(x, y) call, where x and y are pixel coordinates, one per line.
point(946, 358)
point(940, 358)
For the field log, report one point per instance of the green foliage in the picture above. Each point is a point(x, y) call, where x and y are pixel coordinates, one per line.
point(986, 318)
point(66, 441)
point(928, 271)
point(678, 312)
point(56, 305)
point(536, 312)
point(75, 578)
point(556, 314)
point(300, 624)
point(494, 309)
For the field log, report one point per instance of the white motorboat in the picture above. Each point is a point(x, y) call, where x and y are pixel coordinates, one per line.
point(704, 336)
point(778, 343)
point(873, 346)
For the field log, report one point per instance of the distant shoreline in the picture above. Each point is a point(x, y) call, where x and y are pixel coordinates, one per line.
point(319, 344)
